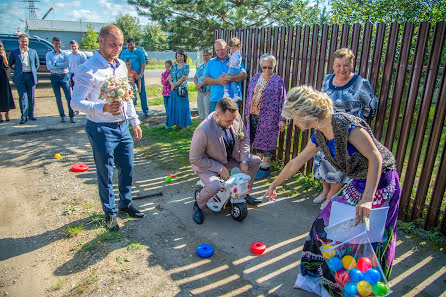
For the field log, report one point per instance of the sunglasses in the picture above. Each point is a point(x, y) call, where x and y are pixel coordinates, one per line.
point(267, 67)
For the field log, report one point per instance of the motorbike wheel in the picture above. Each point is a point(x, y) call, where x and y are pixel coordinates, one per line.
point(239, 211)
point(197, 192)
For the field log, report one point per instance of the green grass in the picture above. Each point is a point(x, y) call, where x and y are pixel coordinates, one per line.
point(169, 147)
point(74, 230)
point(134, 246)
point(57, 286)
point(96, 219)
point(84, 285)
point(109, 236)
point(121, 260)
point(70, 209)
point(155, 95)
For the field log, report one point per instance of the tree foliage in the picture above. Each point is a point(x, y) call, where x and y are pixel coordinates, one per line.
point(387, 11)
point(130, 26)
point(154, 39)
point(90, 40)
point(191, 23)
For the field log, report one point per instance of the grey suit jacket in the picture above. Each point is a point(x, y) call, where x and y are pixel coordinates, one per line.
point(207, 150)
point(15, 59)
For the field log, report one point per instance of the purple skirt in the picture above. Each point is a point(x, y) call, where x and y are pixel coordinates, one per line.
point(314, 273)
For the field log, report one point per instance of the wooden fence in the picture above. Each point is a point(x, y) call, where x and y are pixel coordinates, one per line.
point(405, 65)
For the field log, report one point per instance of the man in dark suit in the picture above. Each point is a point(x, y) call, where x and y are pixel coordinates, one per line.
point(25, 62)
point(218, 145)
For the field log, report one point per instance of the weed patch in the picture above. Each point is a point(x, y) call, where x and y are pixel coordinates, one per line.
point(134, 246)
point(73, 230)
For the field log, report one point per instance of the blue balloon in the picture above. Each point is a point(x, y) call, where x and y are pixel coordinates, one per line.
point(335, 264)
point(372, 276)
point(205, 250)
point(355, 275)
point(350, 289)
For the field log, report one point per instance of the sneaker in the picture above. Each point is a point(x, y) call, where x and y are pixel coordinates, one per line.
point(197, 214)
point(263, 173)
point(132, 212)
point(111, 223)
point(319, 199)
point(147, 114)
point(72, 120)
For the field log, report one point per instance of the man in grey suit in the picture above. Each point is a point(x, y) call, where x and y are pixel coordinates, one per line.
point(220, 143)
point(25, 62)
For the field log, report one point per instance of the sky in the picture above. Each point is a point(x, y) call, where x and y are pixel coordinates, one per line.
point(101, 11)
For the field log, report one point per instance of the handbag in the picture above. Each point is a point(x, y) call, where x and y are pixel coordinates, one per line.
point(182, 90)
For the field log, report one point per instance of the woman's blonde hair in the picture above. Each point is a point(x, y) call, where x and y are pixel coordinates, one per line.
point(306, 103)
point(343, 53)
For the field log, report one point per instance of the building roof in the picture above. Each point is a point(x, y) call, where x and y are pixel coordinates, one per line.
point(62, 26)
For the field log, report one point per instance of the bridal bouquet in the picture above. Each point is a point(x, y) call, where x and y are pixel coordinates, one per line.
point(116, 89)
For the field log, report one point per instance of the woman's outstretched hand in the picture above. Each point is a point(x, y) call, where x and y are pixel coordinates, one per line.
point(271, 193)
point(363, 209)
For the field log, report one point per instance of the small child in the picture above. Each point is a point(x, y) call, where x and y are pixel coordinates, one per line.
point(165, 82)
point(132, 76)
point(234, 64)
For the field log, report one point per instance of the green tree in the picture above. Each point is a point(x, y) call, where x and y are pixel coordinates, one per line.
point(191, 23)
point(387, 11)
point(154, 39)
point(90, 39)
point(130, 26)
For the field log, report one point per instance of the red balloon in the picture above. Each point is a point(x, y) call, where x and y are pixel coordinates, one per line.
point(364, 264)
point(342, 277)
point(171, 175)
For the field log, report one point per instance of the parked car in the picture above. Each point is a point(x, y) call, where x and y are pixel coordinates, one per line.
point(141, 48)
point(42, 46)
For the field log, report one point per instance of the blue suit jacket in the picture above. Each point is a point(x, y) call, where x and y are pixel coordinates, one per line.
point(15, 59)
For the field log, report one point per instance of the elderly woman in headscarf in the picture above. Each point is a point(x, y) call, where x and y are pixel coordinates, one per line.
point(266, 94)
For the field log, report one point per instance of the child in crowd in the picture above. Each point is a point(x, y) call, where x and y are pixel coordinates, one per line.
point(133, 77)
point(165, 83)
point(234, 67)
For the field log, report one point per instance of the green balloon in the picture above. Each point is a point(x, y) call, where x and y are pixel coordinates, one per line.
point(168, 179)
point(379, 289)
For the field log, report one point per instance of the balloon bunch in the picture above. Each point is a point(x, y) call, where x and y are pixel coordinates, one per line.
point(355, 277)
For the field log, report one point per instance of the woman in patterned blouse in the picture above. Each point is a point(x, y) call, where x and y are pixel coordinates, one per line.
point(266, 94)
point(351, 94)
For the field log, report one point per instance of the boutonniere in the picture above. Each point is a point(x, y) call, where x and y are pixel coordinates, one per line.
point(240, 134)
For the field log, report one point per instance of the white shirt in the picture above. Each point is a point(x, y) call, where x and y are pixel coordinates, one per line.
point(89, 79)
point(76, 59)
point(26, 65)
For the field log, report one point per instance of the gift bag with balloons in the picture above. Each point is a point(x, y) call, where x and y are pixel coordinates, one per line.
point(355, 267)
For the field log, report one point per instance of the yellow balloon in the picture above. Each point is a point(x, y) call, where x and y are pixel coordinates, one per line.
point(348, 262)
point(364, 288)
point(57, 156)
point(330, 253)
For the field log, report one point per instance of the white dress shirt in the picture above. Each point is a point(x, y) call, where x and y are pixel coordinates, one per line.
point(89, 79)
point(26, 65)
point(76, 59)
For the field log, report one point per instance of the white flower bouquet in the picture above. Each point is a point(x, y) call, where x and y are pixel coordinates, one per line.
point(116, 90)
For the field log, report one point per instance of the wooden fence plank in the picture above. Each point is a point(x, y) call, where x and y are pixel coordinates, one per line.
point(423, 117)
point(377, 52)
point(398, 88)
point(365, 51)
point(409, 109)
point(333, 47)
point(279, 55)
point(355, 42)
point(386, 80)
point(304, 59)
point(344, 35)
point(436, 200)
point(312, 63)
point(296, 55)
point(322, 57)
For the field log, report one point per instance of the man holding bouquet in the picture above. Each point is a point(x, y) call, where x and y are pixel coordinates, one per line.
point(108, 122)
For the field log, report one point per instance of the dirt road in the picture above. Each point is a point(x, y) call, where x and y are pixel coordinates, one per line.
point(52, 242)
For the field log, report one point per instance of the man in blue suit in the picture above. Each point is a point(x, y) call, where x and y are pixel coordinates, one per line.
point(25, 62)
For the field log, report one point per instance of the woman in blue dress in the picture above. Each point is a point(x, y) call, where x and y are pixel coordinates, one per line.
point(178, 110)
point(351, 94)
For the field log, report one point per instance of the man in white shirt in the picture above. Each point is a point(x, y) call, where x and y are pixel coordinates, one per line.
point(75, 59)
point(107, 124)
